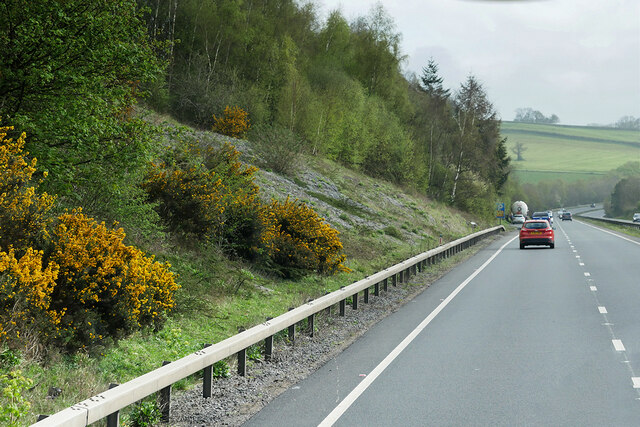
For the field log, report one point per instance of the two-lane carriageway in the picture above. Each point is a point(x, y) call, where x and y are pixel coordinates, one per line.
point(510, 337)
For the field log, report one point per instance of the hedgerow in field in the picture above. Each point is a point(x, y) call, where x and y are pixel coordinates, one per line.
point(297, 240)
point(234, 122)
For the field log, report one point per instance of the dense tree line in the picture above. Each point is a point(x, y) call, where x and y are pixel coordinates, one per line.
point(529, 115)
point(72, 72)
point(615, 189)
point(628, 122)
point(337, 85)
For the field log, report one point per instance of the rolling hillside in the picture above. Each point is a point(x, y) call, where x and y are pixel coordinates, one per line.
point(569, 152)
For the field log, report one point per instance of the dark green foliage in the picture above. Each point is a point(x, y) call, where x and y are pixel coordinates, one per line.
point(221, 369)
point(8, 359)
point(625, 198)
point(254, 352)
point(336, 87)
point(71, 72)
point(145, 414)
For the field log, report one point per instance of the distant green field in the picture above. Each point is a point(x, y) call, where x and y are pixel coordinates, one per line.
point(569, 152)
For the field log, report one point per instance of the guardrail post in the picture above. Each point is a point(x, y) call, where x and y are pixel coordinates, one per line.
point(311, 321)
point(268, 344)
point(394, 280)
point(268, 348)
point(366, 296)
point(207, 378)
point(343, 304)
point(376, 289)
point(165, 401)
point(328, 309)
point(113, 419)
point(242, 362)
point(384, 285)
point(292, 330)
point(42, 417)
point(354, 303)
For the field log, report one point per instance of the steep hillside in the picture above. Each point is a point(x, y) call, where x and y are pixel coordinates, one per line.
point(379, 225)
point(569, 152)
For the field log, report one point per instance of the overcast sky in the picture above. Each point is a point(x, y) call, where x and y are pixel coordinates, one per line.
point(579, 59)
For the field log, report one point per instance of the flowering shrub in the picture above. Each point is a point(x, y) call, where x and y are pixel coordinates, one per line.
point(234, 122)
point(297, 240)
point(104, 287)
point(23, 212)
point(68, 280)
point(210, 195)
point(25, 293)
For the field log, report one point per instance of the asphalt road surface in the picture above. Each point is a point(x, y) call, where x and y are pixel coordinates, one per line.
point(511, 337)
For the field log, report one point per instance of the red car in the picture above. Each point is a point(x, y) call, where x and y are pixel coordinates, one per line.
point(537, 232)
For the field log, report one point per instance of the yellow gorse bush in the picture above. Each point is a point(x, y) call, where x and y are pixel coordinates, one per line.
point(25, 293)
point(115, 286)
point(234, 122)
point(23, 212)
point(209, 194)
point(68, 280)
point(296, 238)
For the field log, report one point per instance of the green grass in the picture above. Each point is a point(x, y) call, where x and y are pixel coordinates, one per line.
point(220, 295)
point(570, 152)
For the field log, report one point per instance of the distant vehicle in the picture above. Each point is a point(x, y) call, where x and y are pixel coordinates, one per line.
point(518, 219)
point(566, 216)
point(542, 215)
point(519, 208)
point(636, 217)
point(537, 232)
point(593, 205)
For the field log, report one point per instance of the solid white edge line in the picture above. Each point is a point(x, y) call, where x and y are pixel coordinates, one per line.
point(609, 232)
point(342, 407)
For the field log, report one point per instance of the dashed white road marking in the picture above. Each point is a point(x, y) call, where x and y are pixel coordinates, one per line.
point(617, 344)
point(581, 264)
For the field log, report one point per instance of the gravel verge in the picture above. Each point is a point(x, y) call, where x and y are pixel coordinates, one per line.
point(235, 399)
